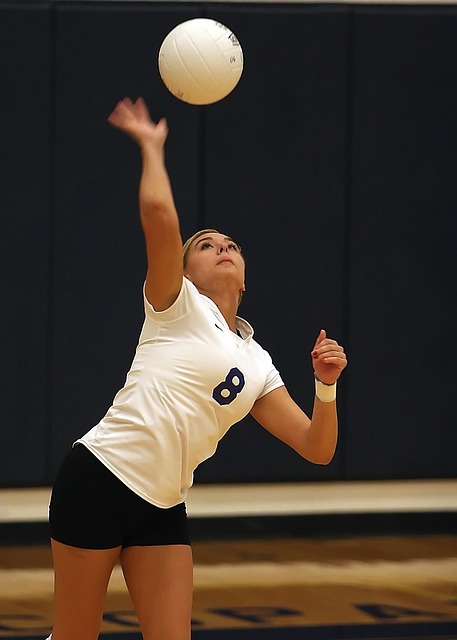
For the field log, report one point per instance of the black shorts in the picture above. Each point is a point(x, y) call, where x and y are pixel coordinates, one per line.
point(92, 509)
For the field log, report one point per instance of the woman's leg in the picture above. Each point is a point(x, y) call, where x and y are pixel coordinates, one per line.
point(81, 579)
point(159, 580)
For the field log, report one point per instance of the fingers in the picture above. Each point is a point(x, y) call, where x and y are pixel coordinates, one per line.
point(126, 102)
point(120, 112)
point(162, 124)
point(133, 119)
point(322, 335)
point(141, 108)
point(126, 110)
point(336, 359)
point(329, 351)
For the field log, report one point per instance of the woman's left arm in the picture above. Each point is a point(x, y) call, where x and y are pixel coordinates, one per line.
point(277, 412)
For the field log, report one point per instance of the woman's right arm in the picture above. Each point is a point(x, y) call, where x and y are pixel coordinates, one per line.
point(159, 218)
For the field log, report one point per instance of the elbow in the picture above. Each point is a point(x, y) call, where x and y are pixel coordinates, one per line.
point(320, 444)
point(321, 457)
point(154, 207)
point(158, 213)
point(324, 460)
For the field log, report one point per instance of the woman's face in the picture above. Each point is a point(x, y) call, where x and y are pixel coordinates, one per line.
point(215, 260)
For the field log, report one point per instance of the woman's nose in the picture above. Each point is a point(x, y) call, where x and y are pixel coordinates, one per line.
point(223, 247)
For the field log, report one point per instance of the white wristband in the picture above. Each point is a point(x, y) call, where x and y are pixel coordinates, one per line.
point(325, 392)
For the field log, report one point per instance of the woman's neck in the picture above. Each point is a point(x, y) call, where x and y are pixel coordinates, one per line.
point(227, 303)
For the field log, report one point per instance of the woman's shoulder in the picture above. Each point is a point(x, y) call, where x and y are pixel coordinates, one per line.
point(187, 297)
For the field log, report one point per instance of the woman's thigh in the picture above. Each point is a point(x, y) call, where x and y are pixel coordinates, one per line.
point(159, 580)
point(81, 578)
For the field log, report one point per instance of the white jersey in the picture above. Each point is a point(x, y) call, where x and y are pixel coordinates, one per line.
point(191, 379)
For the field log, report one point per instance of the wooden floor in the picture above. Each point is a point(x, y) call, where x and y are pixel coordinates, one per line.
point(396, 584)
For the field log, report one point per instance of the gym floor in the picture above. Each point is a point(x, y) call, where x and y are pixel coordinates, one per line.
point(274, 562)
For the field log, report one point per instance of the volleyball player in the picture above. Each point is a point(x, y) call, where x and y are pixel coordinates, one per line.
point(120, 492)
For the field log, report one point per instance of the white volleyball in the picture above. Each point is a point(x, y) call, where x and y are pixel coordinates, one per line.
point(200, 61)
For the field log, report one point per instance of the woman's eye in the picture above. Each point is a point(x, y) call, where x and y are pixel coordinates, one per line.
point(206, 245)
point(233, 245)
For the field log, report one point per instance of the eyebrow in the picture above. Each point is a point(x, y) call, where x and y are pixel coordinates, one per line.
point(211, 238)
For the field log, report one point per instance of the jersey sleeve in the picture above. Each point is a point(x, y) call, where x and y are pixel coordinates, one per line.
point(273, 378)
point(180, 307)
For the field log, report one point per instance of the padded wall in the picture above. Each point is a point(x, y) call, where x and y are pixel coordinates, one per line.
point(332, 163)
point(26, 134)
point(402, 409)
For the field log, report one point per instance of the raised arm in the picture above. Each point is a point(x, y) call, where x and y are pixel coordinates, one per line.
point(313, 439)
point(159, 218)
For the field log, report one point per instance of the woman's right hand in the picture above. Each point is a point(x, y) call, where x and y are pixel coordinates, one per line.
point(133, 119)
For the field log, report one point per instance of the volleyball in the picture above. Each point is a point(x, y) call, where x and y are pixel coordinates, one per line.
point(200, 61)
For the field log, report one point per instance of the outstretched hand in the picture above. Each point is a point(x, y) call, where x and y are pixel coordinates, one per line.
point(133, 119)
point(329, 358)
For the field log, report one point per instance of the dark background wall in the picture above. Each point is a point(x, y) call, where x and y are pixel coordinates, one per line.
point(333, 163)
